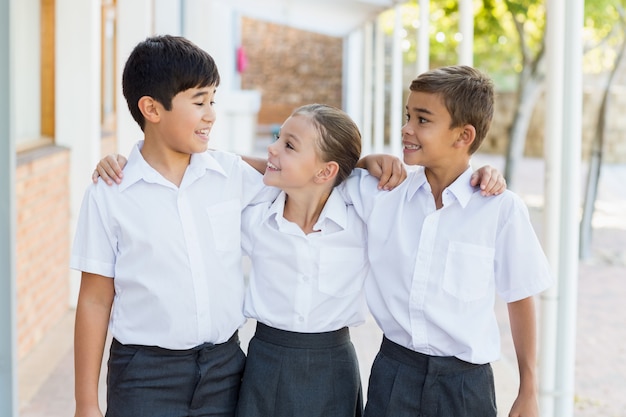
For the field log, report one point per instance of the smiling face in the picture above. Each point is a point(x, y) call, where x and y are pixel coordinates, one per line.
point(293, 159)
point(427, 138)
point(186, 126)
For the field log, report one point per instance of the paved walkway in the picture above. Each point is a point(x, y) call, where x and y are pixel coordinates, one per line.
point(46, 376)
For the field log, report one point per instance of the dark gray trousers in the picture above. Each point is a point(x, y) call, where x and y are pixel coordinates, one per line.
point(404, 383)
point(147, 381)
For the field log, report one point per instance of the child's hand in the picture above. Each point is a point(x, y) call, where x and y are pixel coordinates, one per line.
point(388, 169)
point(524, 407)
point(490, 180)
point(110, 169)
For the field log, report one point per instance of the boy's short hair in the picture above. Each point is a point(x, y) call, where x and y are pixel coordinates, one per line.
point(467, 93)
point(161, 67)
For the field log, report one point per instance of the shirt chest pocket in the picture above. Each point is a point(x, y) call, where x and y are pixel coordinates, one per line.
point(342, 271)
point(225, 222)
point(469, 271)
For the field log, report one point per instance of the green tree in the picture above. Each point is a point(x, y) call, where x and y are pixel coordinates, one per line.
point(509, 44)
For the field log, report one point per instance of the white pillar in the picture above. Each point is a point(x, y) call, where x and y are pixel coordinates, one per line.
point(570, 209)
point(397, 87)
point(379, 88)
point(134, 24)
point(8, 341)
point(77, 98)
point(423, 38)
point(466, 27)
point(210, 24)
point(353, 75)
point(553, 146)
point(168, 19)
point(366, 126)
point(214, 26)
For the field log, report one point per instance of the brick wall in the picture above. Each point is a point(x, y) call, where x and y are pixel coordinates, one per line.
point(42, 242)
point(290, 68)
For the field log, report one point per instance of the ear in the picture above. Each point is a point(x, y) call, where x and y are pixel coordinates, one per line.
point(466, 137)
point(327, 173)
point(150, 109)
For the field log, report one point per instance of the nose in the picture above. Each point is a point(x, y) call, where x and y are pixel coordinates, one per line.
point(271, 148)
point(209, 114)
point(406, 129)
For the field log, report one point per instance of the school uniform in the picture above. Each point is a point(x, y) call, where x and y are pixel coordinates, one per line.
point(304, 291)
point(432, 290)
point(174, 255)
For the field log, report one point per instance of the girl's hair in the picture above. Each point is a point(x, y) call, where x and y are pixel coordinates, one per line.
point(163, 66)
point(339, 138)
point(467, 94)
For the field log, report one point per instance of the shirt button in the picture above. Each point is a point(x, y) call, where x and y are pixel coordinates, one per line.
point(300, 319)
point(305, 279)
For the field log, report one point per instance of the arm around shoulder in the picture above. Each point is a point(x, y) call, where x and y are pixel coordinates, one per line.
point(110, 168)
point(260, 164)
point(389, 169)
point(490, 180)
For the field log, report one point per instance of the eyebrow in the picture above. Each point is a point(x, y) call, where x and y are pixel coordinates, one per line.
point(200, 94)
point(293, 137)
point(419, 110)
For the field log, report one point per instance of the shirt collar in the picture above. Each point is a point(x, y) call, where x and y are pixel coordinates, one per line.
point(138, 169)
point(460, 189)
point(334, 211)
point(415, 181)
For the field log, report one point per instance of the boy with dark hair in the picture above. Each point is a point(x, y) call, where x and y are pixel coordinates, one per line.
point(439, 252)
point(160, 253)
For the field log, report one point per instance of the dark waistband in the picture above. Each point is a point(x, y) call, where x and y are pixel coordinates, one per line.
point(441, 364)
point(234, 339)
point(302, 340)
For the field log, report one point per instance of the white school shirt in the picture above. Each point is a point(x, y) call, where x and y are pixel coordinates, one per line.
point(435, 272)
point(174, 252)
point(305, 283)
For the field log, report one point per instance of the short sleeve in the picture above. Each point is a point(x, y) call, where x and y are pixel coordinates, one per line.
point(360, 190)
point(94, 244)
point(522, 269)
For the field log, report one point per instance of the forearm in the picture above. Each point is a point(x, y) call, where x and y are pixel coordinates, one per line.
point(524, 332)
point(260, 164)
point(374, 161)
point(389, 170)
point(90, 330)
point(89, 341)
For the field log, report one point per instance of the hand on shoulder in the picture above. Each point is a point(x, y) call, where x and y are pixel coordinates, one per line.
point(110, 169)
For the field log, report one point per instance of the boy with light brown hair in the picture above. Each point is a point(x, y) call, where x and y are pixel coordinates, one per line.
point(439, 252)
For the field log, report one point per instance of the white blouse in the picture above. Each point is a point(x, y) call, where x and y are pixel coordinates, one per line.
point(305, 283)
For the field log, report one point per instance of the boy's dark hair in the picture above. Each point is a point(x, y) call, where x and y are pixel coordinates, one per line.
point(339, 137)
point(467, 94)
point(161, 67)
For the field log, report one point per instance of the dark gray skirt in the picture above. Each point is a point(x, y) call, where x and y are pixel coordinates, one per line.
point(291, 374)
